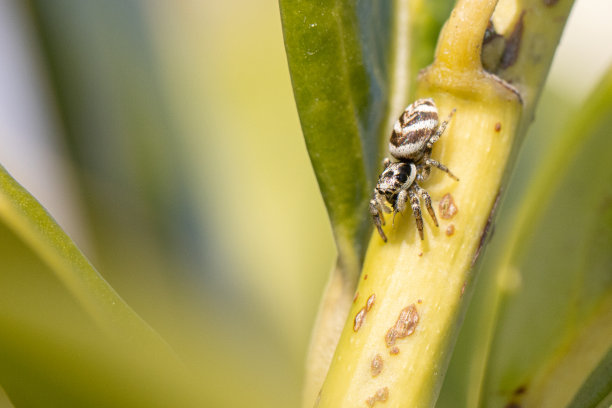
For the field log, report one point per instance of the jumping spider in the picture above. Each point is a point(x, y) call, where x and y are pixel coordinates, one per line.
point(411, 142)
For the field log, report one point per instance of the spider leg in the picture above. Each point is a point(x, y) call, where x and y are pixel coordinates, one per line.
point(377, 207)
point(431, 162)
point(425, 196)
point(423, 171)
point(440, 130)
point(416, 208)
point(400, 200)
point(400, 203)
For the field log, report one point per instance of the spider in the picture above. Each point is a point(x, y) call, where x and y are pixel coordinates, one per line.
point(412, 139)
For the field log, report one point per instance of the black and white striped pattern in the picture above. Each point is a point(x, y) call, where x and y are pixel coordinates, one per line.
point(411, 143)
point(417, 124)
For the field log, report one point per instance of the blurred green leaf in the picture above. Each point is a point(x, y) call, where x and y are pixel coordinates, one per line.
point(540, 322)
point(66, 337)
point(426, 21)
point(130, 106)
point(122, 139)
point(596, 392)
point(557, 274)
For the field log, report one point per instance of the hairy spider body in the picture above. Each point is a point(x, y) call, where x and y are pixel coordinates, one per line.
point(411, 142)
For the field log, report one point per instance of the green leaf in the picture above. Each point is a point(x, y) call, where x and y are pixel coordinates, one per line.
point(340, 90)
point(66, 337)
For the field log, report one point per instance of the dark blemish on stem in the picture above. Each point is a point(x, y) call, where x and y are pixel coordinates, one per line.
point(356, 296)
point(492, 232)
point(550, 3)
point(365, 277)
point(490, 34)
point(507, 85)
point(516, 396)
point(520, 390)
point(394, 350)
point(493, 45)
point(497, 126)
point(450, 230)
point(485, 231)
point(513, 44)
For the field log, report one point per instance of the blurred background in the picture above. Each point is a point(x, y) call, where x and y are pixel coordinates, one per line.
point(163, 137)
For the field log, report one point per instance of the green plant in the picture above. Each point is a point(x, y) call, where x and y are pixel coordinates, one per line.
point(197, 324)
point(434, 279)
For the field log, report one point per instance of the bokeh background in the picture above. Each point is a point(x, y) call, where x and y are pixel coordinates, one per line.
point(163, 137)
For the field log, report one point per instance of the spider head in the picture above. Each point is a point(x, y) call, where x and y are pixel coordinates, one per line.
point(395, 177)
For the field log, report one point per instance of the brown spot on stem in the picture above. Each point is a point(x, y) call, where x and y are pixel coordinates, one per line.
point(359, 318)
point(447, 206)
point(370, 302)
point(497, 126)
point(381, 396)
point(420, 254)
point(450, 230)
point(513, 44)
point(377, 365)
point(365, 277)
point(550, 3)
point(356, 296)
point(404, 326)
point(394, 350)
point(361, 314)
